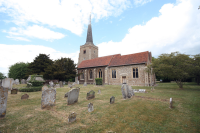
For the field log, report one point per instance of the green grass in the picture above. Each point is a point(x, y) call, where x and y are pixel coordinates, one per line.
point(131, 115)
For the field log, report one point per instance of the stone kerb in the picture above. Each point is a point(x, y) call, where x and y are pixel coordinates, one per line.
point(90, 95)
point(139, 90)
point(48, 98)
point(7, 83)
point(73, 96)
point(3, 101)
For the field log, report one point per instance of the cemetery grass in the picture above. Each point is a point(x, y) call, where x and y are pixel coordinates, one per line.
point(130, 115)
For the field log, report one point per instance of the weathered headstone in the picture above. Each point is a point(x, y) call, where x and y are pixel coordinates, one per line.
point(44, 88)
point(23, 81)
point(90, 107)
point(51, 84)
point(61, 84)
point(66, 94)
point(57, 86)
point(72, 117)
point(90, 95)
point(16, 81)
point(112, 100)
point(14, 91)
point(170, 103)
point(69, 82)
point(25, 96)
point(127, 91)
point(85, 84)
point(99, 91)
point(3, 101)
point(7, 83)
point(48, 98)
point(73, 96)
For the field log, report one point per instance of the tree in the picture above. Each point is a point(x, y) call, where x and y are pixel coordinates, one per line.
point(18, 71)
point(39, 65)
point(196, 68)
point(175, 66)
point(62, 69)
point(2, 76)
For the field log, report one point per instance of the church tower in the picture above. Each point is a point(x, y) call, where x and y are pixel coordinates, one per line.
point(88, 50)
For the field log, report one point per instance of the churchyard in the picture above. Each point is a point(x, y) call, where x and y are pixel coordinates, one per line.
point(144, 112)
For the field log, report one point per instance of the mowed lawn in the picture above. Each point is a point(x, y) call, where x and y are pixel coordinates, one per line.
point(130, 115)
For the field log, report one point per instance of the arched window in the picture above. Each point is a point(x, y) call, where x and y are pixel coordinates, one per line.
point(90, 74)
point(100, 73)
point(135, 73)
point(113, 73)
point(82, 75)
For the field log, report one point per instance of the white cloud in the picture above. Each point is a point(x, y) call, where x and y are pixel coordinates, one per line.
point(18, 38)
point(68, 14)
point(141, 2)
point(177, 28)
point(26, 53)
point(34, 31)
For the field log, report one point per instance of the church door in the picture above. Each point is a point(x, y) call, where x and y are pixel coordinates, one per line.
point(123, 79)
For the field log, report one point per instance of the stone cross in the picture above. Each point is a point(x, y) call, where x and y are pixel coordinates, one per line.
point(112, 100)
point(90, 107)
point(170, 103)
point(90, 95)
point(45, 88)
point(72, 117)
point(25, 96)
point(3, 101)
point(14, 91)
point(73, 96)
point(48, 98)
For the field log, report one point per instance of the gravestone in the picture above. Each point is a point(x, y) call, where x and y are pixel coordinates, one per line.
point(70, 86)
point(23, 81)
point(17, 81)
point(7, 83)
point(3, 101)
point(73, 96)
point(61, 84)
point(66, 94)
point(127, 91)
point(99, 91)
point(69, 82)
point(170, 103)
point(85, 84)
point(90, 95)
point(73, 84)
point(51, 84)
point(112, 100)
point(72, 117)
point(48, 98)
point(25, 96)
point(90, 107)
point(57, 86)
point(45, 88)
point(14, 91)
point(78, 82)
point(0, 82)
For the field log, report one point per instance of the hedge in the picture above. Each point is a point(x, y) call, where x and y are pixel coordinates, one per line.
point(30, 89)
point(98, 81)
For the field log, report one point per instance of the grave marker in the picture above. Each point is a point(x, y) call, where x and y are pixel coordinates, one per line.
point(44, 88)
point(25, 96)
point(72, 117)
point(3, 101)
point(73, 96)
point(14, 91)
point(99, 91)
point(90, 107)
point(48, 98)
point(90, 95)
point(112, 100)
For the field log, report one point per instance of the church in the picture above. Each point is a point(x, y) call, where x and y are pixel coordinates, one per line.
point(113, 69)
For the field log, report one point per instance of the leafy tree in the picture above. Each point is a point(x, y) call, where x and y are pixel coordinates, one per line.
point(18, 71)
point(39, 65)
point(196, 68)
point(62, 69)
point(175, 66)
point(2, 76)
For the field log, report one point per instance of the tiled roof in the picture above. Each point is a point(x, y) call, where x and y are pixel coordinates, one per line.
point(130, 59)
point(101, 61)
point(116, 60)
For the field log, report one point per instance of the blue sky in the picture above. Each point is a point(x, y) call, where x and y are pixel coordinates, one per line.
point(59, 27)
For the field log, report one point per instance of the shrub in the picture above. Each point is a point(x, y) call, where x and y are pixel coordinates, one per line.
point(70, 80)
point(98, 81)
point(30, 89)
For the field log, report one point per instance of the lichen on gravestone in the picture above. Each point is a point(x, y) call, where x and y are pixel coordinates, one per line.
point(3, 101)
point(90, 95)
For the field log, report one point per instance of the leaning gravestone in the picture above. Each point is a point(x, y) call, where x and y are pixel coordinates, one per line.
point(3, 101)
point(90, 95)
point(45, 88)
point(73, 96)
point(48, 98)
point(90, 107)
point(14, 91)
point(72, 117)
point(25, 96)
point(127, 91)
point(112, 100)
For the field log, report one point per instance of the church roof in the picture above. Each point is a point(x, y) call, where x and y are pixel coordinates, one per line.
point(116, 60)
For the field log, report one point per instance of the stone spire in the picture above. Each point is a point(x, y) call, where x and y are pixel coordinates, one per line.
point(89, 32)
